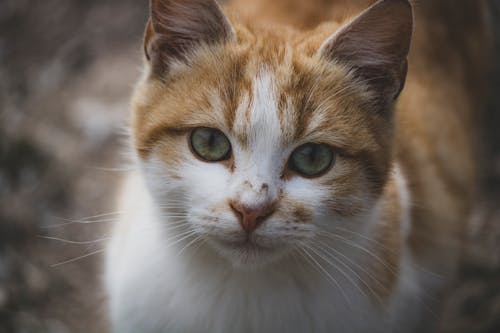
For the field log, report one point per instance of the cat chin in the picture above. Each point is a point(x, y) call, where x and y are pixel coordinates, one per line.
point(248, 255)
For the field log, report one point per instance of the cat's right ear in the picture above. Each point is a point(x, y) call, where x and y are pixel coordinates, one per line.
point(177, 27)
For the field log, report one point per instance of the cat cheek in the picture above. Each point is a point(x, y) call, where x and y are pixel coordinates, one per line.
point(295, 213)
point(206, 183)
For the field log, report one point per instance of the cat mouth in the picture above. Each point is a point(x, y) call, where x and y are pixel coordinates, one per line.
point(246, 253)
point(247, 245)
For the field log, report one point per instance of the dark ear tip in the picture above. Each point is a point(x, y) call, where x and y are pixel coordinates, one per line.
point(153, 4)
point(407, 5)
point(402, 2)
point(148, 36)
point(408, 8)
point(403, 5)
point(153, 8)
point(403, 9)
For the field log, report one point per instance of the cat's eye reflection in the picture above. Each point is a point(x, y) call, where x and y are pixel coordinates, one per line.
point(312, 159)
point(210, 144)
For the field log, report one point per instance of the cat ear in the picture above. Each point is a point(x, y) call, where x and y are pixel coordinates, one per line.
point(376, 45)
point(176, 27)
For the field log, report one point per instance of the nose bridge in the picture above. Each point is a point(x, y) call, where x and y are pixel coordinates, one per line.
point(256, 183)
point(255, 193)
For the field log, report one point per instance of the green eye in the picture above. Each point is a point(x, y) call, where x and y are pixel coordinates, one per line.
point(210, 144)
point(312, 159)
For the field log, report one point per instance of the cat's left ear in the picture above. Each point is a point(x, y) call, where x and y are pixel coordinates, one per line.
point(177, 27)
point(375, 45)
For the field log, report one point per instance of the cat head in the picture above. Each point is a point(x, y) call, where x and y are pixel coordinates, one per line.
point(260, 137)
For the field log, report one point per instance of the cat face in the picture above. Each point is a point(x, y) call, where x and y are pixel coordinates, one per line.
point(260, 139)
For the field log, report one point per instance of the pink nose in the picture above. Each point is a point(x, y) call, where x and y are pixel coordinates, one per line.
point(251, 217)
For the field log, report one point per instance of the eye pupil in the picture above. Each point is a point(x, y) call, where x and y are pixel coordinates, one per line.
point(313, 156)
point(210, 144)
point(312, 160)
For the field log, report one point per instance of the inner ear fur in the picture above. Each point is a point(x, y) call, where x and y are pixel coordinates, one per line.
point(177, 27)
point(375, 45)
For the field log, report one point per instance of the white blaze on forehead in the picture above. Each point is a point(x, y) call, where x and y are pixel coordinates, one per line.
point(260, 161)
point(264, 129)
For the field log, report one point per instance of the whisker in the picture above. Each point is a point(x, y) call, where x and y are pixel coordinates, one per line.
point(186, 235)
point(357, 246)
point(77, 258)
point(347, 276)
point(330, 277)
point(86, 220)
point(68, 241)
point(352, 270)
point(414, 264)
point(374, 241)
point(54, 226)
point(386, 265)
point(203, 241)
point(92, 216)
point(189, 244)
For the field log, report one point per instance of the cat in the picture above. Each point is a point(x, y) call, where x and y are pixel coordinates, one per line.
point(299, 169)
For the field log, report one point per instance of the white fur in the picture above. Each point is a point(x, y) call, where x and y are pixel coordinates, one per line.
point(405, 200)
point(162, 278)
point(262, 161)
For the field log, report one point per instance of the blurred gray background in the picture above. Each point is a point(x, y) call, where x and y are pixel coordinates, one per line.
point(66, 72)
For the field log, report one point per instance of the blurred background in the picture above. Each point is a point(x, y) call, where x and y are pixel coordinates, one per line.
point(66, 72)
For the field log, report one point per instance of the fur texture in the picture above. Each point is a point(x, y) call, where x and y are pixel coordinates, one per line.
point(364, 247)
